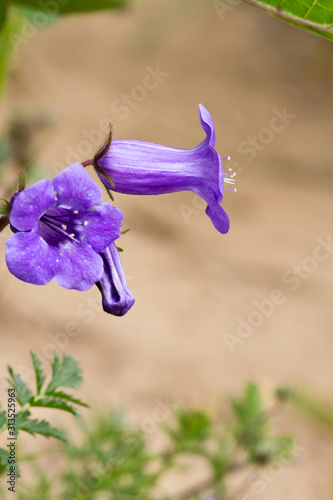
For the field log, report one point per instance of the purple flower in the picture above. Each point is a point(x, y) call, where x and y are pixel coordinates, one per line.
point(117, 298)
point(61, 231)
point(137, 167)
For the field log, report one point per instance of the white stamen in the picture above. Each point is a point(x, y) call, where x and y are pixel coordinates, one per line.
point(229, 158)
point(64, 227)
point(85, 223)
point(72, 235)
point(75, 212)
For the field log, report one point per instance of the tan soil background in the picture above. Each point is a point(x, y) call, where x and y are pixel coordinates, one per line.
point(191, 283)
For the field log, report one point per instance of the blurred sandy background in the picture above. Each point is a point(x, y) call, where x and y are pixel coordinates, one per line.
point(191, 283)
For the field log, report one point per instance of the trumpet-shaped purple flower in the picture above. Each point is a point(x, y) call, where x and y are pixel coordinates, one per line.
point(61, 231)
point(117, 298)
point(137, 167)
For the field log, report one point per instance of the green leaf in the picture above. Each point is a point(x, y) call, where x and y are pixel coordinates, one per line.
point(58, 404)
point(65, 373)
point(40, 376)
point(192, 426)
point(248, 408)
point(34, 426)
point(72, 6)
point(311, 15)
point(23, 393)
point(250, 420)
point(68, 397)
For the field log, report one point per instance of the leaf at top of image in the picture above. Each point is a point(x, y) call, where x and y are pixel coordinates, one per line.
point(71, 6)
point(3, 13)
point(312, 15)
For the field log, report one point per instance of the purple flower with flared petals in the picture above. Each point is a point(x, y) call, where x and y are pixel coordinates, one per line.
point(137, 167)
point(117, 298)
point(61, 231)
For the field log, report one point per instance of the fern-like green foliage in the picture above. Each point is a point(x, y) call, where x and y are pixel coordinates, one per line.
point(115, 461)
point(251, 428)
point(65, 373)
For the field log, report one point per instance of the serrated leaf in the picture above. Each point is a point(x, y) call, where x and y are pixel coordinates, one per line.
point(65, 373)
point(34, 426)
point(74, 6)
point(40, 376)
point(67, 397)
point(311, 15)
point(23, 393)
point(58, 404)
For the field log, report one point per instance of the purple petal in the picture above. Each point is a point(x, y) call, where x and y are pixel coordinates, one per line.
point(117, 298)
point(75, 189)
point(30, 258)
point(207, 124)
point(79, 267)
point(144, 168)
point(103, 226)
point(29, 205)
point(218, 216)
